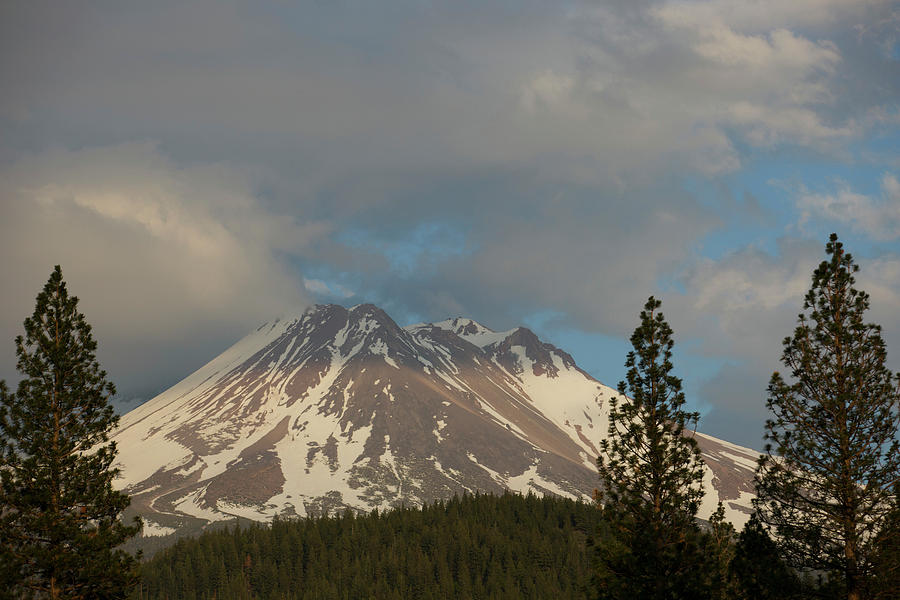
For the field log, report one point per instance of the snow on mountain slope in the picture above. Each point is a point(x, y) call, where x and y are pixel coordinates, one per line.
point(469, 330)
point(338, 408)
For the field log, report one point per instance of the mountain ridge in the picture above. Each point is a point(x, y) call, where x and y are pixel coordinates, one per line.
point(341, 408)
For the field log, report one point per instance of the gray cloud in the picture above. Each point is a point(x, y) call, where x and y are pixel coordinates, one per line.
point(741, 307)
point(314, 142)
point(161, 256)
point(876, 217)
point(589, 92)
point(739, 408)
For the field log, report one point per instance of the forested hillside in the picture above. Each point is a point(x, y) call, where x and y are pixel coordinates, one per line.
point(482, 546)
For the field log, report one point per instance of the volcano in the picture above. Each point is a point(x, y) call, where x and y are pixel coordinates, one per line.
point(341, 408)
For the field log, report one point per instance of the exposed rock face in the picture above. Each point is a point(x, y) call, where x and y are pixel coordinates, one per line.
point(342, 408)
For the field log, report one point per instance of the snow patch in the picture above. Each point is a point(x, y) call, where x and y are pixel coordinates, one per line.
point(711, 498)
point(153, 529)
point(190, 505)
point(530, 480)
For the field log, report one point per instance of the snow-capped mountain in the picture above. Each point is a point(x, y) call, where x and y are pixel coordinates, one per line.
point(341, 408)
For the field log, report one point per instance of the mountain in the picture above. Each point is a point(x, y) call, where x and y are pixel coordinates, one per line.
point(341, 408)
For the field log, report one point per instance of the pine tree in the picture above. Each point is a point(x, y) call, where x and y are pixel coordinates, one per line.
point(757, 568)
point(833, 457)
point(59, 515)
point(651, 471)
point(719, 550)
point(885, 583)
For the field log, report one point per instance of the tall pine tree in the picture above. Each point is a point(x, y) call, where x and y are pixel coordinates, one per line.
point(833, 457)
point(651, 473)
point(59, 515)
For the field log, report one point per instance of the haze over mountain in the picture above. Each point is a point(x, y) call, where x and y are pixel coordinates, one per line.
point(341, 408)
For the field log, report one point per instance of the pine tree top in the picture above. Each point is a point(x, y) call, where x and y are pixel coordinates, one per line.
point(57, 356)
point(647, 462)
point(59, 514)
point(833, 457)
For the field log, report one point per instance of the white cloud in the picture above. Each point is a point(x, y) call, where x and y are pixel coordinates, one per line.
point(770, 84)
point(326, 289)
point(743, 303)
point(741, 306)
point(548, 89)
point(777, 49)
point(748, 281)
point(880, 277)
point(771, 125)
point(158, 253)
point(878, 217)
point(680, 86)
point(764, 15)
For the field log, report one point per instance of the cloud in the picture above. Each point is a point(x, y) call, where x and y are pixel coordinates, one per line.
point(736, 310)
point(765, 126)
point(736, 395)
point(778, 49)
point(740, 307)
point(771, 84)
point(546, 90)
point(744, 303)
point(438, 158)
point(671, 85)
point(880, 278)
point(593, 93)
point(592, 254)
point(761, 15)
point(876, 217)
point(327, 289)
point(159, 254)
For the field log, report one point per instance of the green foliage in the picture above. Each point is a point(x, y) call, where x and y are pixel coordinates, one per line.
point(59, 515)
point(757, 568)
point(651, 474)
point(885, 581)
point(506, 546)
point(719, 552)
point(833, 459)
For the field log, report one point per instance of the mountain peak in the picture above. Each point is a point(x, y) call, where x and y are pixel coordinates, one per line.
point(470, 330)
point(341, 408)
point(366, 309)
point(462, 326)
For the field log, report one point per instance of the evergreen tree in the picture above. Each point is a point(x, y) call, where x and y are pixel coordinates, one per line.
point(59, 515)
point(885, 583)
point(484, 546)
point(719, 551)
point(757, 568)
point(833, 457)
point(651, 472)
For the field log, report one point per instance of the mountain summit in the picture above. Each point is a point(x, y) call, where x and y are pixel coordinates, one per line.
point(342, 408)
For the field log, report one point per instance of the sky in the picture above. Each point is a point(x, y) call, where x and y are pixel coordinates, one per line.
point(199, 168)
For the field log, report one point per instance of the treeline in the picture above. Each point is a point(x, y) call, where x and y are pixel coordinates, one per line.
point(480, 546)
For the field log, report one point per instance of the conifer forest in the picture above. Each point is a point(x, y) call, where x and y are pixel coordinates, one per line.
point(483, 546)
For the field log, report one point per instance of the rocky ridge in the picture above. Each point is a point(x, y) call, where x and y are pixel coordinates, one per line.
point(343, 409)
